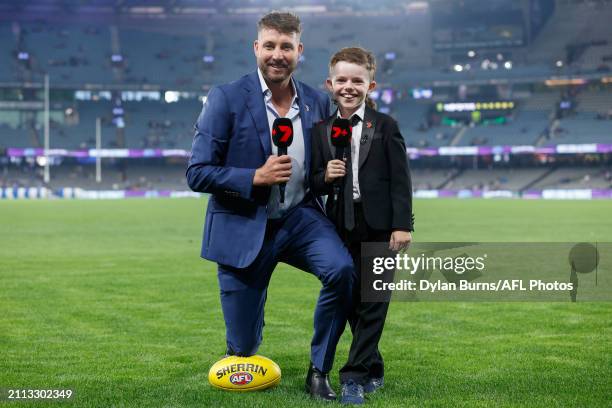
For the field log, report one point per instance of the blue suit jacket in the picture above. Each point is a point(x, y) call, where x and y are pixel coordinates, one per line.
point(232, 139)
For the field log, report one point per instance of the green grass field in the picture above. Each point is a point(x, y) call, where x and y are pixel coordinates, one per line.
point(111, 299)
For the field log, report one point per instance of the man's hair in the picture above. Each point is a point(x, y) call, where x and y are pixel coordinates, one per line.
point(283, 22)
point(355, 55)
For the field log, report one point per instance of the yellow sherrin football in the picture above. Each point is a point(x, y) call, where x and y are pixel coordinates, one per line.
point(252, 373)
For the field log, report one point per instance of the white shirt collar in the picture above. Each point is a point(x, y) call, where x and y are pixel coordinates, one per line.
point(360, 112)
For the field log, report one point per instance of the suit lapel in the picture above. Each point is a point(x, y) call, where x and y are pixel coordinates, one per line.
point(367, 134)
point(257, 108)
point(306, 106)
point(328, 125)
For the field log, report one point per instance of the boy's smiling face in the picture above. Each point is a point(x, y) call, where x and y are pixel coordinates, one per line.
point(349, 84)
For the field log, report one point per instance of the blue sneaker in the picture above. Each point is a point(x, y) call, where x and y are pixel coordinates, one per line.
point(373, 384)
point(352, 393)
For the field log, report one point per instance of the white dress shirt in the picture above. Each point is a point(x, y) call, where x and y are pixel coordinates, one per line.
point(294, 192)
point(355, 143)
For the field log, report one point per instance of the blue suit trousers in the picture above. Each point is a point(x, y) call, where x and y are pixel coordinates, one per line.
point(306, 239)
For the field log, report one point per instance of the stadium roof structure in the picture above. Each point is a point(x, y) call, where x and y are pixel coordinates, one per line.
point(191, 8)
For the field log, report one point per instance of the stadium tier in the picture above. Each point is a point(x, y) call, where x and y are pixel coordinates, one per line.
point(511, 89)
point(163, 175)
point(513, 179)
point(576, 178)
point(524, 128)
point(412, 47)
point(137, 176)
point(77, 53)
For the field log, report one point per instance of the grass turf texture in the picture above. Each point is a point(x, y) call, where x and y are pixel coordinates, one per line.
point(110, 299)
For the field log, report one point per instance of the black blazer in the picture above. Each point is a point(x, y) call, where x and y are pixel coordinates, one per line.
point(384, 175)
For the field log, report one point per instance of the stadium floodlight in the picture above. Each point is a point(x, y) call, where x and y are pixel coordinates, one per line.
point(42, 161)
point(471, 53)
point(458, 67)
point(24, 56)
point(508, 64)
point(171, 96)
point(559, 63)
point(119, 122)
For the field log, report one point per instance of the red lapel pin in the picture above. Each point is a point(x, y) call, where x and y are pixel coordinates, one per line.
point(369, 124)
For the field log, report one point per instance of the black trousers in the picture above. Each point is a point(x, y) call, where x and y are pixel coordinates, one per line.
point(366, 319)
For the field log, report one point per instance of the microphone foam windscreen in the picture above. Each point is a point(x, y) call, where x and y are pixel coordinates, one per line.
point(282, 132)
point(341, 133)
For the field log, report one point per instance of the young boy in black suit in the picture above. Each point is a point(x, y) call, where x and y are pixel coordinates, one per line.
point(374, 203)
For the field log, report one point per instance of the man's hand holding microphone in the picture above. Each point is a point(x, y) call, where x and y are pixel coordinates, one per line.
point(277, 169)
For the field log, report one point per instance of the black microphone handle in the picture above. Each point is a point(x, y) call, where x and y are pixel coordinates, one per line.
point(282, 150)
point(340, 155)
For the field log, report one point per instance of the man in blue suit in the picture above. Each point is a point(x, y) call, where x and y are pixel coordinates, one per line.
point(247, 229)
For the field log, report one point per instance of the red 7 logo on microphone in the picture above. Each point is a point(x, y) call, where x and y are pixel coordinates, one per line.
point(286, 133)
point(338, 131)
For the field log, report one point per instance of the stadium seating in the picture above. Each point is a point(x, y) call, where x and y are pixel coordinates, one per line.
point(82, 134)
point(514, 179)
point(138, 176)
point(583, 128)
point(576, 178)
point(524, 129)
point(162, 56)
point(411, 117)
point(591, 121)
point(8, 67)
point(158, 124)
point(541, 101)
point(73, 53)
point(14, 137)
point(573, 23)
point(430, 178)
point(155, 176)
point(595, 101)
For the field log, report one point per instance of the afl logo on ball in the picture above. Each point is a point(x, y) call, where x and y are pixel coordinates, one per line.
point(242, 378)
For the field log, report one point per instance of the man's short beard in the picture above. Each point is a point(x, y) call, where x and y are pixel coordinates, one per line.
point(264, 71)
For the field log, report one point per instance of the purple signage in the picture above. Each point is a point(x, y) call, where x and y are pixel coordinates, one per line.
point(413, 152)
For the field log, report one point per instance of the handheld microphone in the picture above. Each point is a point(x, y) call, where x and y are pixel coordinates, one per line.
point(341, 133)
point(282, 136)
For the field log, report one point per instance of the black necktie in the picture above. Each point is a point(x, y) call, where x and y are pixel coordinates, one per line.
point(347, 196)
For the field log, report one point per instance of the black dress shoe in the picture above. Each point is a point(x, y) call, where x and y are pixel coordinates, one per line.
point(317, 385)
